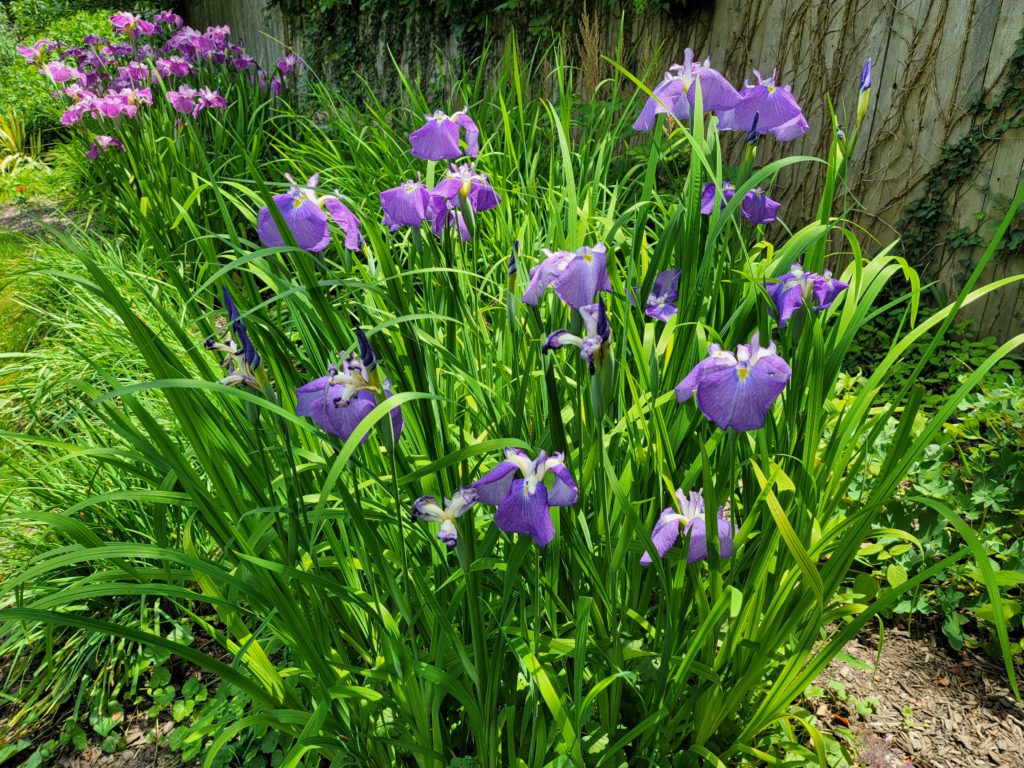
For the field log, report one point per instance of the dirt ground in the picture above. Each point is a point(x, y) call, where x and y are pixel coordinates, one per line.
point(936, 708)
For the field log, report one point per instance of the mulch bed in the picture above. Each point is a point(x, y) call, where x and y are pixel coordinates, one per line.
point(937, 708)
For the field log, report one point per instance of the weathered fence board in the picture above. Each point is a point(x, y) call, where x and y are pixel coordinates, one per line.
point(932, 62)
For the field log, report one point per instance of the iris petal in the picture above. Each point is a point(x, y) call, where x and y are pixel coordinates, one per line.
point(528, 513)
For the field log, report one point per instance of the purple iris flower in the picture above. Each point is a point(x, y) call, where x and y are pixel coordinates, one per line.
point(774, 109)
point(427, 508)
point(134, 72)
point(465, 181)
point(691, 517)
point(102, 144)
point(339, 401)
point(524, 504)
point(797, 288)
point(207, 99)
point(35, 52)
point(758, 208)
point(289, 64)
point(60, 72)
point(439, 138)
point(244, 60)
point(168, 18)
point(240, 362)
point(707, 196)
point(173, 65)
point(675, 94)
point(594, 345)
point(665, 292)
point(305, 213)
point(405, 205)
point(576, 277)
point(736, 390)
point(129, 24)
point(183, 99)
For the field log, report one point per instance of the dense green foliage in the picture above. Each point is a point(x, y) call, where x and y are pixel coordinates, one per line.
point(22, 91)
point(170, 505)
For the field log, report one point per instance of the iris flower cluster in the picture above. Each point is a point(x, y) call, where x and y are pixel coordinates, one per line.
point(110, 79)
point(734, 389)
point(462, 192)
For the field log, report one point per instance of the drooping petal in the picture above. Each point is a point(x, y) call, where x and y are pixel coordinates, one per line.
point(304, 218)
point(730, 398)
point(493, 487)
point(758, 208)
point(664, 535)
point(345, 219)
point(686, 388)
point(716, 93)
point(559, 339)
point(787, 302)
point(309, 397)
point(448, 534)
point(524, 512)
point(774, 106)
point(472, 133)
point(663, 101)
point(791, 129)
point(584, 275)
point(406, 204)
point(437, 140)
point(427, 508)
point(564, 492)
point(542, 275)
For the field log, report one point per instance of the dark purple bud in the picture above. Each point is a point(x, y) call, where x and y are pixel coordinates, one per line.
point(252, 359)
point(604, 329)
point(366, 353)
point(512, 266)
point(752, 134)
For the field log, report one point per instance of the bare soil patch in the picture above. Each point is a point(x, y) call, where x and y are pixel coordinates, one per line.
point(936, 708)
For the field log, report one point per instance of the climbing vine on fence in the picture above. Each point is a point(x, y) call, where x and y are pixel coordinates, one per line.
point(958, 164)
point(347, 38)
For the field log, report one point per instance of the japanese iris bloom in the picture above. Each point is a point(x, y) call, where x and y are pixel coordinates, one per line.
point(35, 52)
point(575, 276)
point(768, 108)
point(665, 292)
point(60, 72)
point(305, 214)
point(524, 503)
point(102, 144)
point(736, 389)
point(240, 362)
point(427, 508)
point(694, 525)
point(707, 196)
point(465, 181)
point(129, 24)
point(675, 94)
point(405, 205)
point(595, 344)
point(797, 288)
point(439, 138)
point(756, 207)
point(183, 99)
point(339, 401)
point(173, 65)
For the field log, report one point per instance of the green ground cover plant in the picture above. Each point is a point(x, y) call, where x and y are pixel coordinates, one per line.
point(184, 486)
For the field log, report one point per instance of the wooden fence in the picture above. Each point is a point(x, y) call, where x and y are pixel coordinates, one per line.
point(933, 60)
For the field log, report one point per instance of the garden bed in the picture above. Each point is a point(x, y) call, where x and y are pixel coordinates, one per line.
point(942, 709)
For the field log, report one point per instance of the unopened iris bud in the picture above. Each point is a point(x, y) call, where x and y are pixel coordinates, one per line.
point(865, 92)
point(752, 134)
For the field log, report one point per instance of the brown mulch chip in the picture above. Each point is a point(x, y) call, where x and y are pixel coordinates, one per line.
point(146, 749)
point(937, 708)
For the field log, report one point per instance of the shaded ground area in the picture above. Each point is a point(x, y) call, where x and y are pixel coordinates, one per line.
point(27, 217)
point(142, 751)
point(935, 708)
